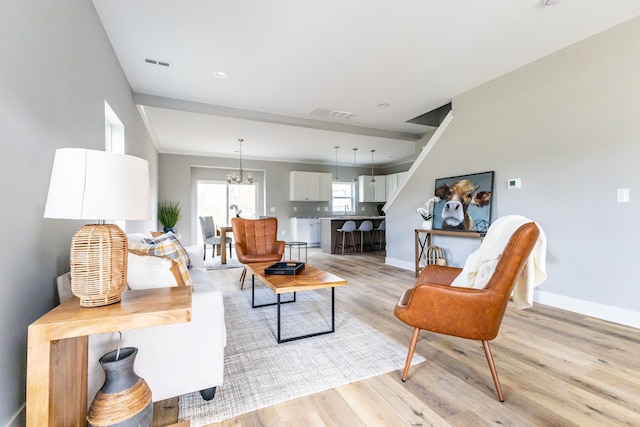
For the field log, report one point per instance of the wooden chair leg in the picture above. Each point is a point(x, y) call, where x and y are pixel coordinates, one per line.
point(412, 347)
point(492, 367)
point(204, 258)
point(242, 275)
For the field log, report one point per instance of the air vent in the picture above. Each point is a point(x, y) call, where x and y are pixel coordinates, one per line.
point(336, 114)
point(156, 62)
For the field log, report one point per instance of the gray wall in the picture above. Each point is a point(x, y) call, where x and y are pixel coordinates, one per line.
point(567, 125)
point(57, 69)
point(177, 174)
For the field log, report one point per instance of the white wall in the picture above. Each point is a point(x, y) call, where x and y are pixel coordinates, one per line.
point(57, 69)
point(567, 125)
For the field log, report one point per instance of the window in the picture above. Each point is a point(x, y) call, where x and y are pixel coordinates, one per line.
point(215, 197)
point(113, 141)
point(113, 131)
point(343, 198)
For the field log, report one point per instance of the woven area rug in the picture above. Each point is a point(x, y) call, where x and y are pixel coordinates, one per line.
point(260, 373)
point(214, 263)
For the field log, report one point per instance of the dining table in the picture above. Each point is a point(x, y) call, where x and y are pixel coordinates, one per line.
point(222, 231)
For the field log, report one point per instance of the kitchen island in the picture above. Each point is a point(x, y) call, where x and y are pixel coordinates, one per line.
point(330, 225)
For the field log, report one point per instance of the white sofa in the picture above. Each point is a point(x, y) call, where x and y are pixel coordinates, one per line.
point(173, 359)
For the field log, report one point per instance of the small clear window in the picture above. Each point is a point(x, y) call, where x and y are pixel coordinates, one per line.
point(343, 198)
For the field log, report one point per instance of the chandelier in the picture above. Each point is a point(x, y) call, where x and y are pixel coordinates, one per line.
point(239, 177)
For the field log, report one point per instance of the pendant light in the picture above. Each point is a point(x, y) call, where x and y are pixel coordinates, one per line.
point(336, 178)
point(373, 180)
point(355, 178)
point(239, 177)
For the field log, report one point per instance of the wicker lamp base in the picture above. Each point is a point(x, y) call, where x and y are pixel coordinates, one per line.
point(98, 264)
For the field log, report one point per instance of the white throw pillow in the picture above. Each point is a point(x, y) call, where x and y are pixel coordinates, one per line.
point(150, 271)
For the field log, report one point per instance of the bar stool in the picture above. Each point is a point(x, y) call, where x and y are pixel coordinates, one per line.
point(380, 231)
point(366, 227)
point(348, 227)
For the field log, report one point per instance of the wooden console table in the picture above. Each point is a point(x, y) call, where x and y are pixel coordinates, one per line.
point(58, 347)
point(421, 245)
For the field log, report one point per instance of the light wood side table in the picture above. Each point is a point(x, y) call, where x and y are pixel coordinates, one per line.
point(58, 347)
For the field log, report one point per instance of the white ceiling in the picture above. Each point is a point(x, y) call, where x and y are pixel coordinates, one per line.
point(287, 57)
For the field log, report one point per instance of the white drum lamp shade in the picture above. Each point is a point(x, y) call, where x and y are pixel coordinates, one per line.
point(97, 185)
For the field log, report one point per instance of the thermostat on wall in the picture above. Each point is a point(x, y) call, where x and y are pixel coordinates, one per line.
point(514, 183)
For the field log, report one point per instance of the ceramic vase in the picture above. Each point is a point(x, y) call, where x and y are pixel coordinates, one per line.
point(427, 225)
point(125, 398)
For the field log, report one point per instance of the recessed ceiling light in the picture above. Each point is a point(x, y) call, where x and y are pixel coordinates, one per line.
point(383, 105)
point(221, 74)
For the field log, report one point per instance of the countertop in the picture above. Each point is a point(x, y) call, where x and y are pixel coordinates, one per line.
point(348, 217)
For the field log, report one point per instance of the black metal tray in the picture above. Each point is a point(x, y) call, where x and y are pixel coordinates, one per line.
point(285, 268)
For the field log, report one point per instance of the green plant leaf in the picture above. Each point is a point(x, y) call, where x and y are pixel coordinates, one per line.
point(169, 213)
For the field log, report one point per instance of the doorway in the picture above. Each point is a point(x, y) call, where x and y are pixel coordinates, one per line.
point(222, 200)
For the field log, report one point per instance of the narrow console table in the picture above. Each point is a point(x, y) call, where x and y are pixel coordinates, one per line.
point(58, 347)
point(422, 244)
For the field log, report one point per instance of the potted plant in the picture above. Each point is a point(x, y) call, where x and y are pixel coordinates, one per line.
point(169, 214)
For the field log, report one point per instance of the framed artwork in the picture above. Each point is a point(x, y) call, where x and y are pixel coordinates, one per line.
point(465, 202)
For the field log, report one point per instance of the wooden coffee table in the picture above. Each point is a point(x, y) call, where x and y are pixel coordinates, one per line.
point(309, 278)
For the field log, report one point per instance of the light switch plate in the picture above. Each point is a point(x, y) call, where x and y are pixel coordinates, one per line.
point(623, 195)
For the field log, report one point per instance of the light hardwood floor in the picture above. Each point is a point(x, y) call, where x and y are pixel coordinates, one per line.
point(557, 368)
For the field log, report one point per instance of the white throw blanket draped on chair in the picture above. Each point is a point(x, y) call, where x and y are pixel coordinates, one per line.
point(480, 264)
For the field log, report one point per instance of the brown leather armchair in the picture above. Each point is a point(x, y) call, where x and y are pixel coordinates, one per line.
point(256, 241)
point(475, 314)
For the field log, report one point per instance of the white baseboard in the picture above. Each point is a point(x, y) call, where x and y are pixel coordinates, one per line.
point(400, 263)
point(609, 313)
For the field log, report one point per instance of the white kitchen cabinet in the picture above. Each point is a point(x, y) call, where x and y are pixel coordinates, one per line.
point(393, 181)
point(309, 186)
point(401, 177)
point(372, 193)
point(326, 187)
point(305, 230)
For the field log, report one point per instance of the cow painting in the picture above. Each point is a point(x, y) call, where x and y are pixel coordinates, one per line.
point(460, 197)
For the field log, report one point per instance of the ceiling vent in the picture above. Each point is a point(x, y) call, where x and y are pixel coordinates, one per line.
point(156, 62)
point(336, 114)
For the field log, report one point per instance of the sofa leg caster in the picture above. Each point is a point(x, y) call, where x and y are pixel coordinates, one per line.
point(208, 393)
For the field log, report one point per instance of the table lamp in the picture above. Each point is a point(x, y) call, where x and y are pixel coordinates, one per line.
point(97, 185)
